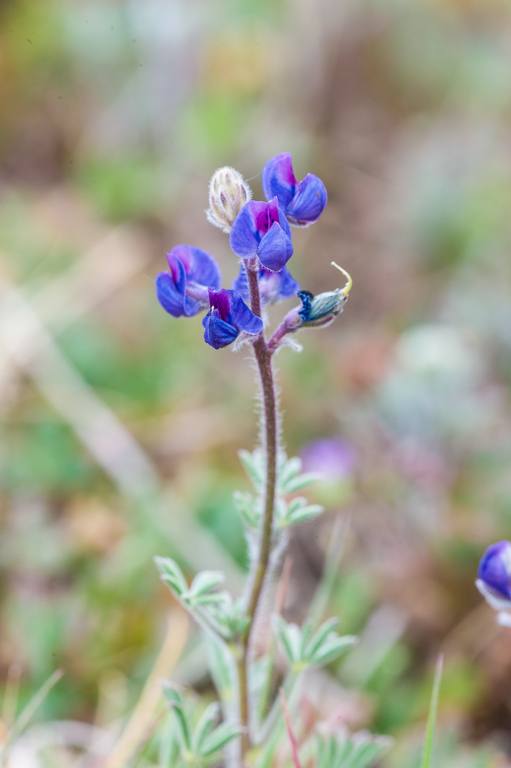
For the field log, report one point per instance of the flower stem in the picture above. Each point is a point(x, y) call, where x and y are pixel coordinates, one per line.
point(263, 357)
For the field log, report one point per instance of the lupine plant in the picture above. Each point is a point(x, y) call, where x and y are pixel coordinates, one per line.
point(260, 237)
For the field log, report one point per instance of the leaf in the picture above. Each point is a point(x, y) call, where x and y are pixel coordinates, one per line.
point(246, 506)
point(290, 638)
point(171, 574)
point(219, 738)
point(254, 467)
point(296, 484)
point(205, 582)
point(281, 511)
point(169, 743)
point(320, 636)
point(290, 470)
point(331, 649)
point(344, 751)
point(305, 513)
point(295, 504)
point(220, 665)
point(205, 725)
point(433, 709)
point(175, 702)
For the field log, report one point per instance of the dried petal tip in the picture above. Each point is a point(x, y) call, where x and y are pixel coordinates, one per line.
point(228, 193)
point(349, 282)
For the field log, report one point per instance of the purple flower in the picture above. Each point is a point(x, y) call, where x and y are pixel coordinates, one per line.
point(228, 316)
point(331, 458)
point(273, 286)
point(494, 574)
point(303, 202)
point(260, 230)
point(184, 289)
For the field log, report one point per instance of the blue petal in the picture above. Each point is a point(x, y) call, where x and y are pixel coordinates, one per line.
point(287, 285)
point(218, 333)
point(278, 179)
point(191, 306)
point(284, 223)
point(240, 284)
point(243, 238)
point(242, 317)
point(275, 249)
point(494, 568)
point(309, 202)
point(202, 267)
point(171, 299)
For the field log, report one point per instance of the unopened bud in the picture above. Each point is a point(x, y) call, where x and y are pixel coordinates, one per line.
point(228, 193)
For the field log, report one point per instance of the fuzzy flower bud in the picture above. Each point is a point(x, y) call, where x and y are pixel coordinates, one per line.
point(228, 193)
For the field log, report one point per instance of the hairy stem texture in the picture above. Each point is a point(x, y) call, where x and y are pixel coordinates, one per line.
point(263, 357)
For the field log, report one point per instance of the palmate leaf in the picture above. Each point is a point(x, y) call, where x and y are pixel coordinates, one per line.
point(218, 738)
point(303, 650)
point(360, 750)
point(205, 725)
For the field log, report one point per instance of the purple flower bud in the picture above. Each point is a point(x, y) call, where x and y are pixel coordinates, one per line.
point(228, 193)
point(261, 230)
point(228, 317)
point(303, 202)
point(273, 286)
point(184, 289)
point(494, 575)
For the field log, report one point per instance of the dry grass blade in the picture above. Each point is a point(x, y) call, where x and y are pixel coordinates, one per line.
point(33, 705)
point(140, 721)
point(433, 709)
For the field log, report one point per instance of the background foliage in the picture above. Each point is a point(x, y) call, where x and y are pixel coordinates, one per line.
point(120, 428)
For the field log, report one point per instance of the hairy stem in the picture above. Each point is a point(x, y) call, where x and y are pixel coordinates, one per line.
point(263, 357)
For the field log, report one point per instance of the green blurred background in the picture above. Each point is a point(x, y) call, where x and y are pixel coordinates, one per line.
point(120, 427)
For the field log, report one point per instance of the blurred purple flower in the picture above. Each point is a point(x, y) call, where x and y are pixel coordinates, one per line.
point(303, 202)
point(331, 458)
point(494, 572)
point(184, 289)
point(259, 230)
point(228, 316)
point(273, 286)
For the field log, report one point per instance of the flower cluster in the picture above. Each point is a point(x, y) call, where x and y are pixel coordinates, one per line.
point(260, 236)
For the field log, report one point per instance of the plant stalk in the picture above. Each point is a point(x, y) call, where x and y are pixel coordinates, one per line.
point(263, 357)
